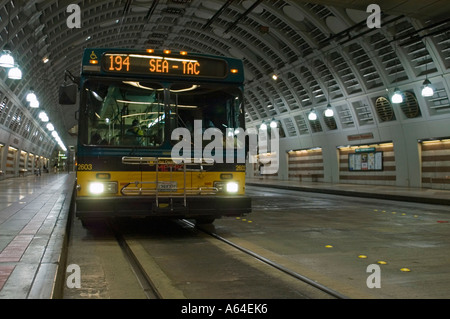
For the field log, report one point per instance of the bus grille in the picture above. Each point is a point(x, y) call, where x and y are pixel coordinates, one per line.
point(166, 188)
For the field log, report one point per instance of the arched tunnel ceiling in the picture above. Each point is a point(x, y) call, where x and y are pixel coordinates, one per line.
point(321, 49)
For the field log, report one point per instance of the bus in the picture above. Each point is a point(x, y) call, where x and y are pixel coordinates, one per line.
point(131, 102)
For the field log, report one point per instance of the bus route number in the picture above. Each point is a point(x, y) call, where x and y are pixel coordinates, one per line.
point(85, 167)
point(118, 62)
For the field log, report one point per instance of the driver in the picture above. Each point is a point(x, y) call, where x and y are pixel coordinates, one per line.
point(136, 131)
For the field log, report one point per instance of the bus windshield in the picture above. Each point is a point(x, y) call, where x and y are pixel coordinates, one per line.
point(143, 114)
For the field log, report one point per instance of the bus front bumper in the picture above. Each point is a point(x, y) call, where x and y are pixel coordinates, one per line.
point(174, 207)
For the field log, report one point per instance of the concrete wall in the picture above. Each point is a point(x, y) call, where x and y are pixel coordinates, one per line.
point(405, 133)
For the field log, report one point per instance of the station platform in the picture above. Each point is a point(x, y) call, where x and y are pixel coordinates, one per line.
point(34, 211)
point(33, 219)
point(417, 195)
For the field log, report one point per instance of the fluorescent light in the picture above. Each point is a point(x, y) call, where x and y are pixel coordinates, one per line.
point(157, 120)
point(133, 102)
point(139, 85)
point(97, 97)
point(185, 106)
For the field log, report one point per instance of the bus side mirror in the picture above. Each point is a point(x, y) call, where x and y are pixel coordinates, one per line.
point(68, 94)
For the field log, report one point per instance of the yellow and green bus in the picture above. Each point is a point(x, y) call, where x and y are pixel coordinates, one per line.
point(132, 103)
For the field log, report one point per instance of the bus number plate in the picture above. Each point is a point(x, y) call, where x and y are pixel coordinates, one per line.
point(167, 186)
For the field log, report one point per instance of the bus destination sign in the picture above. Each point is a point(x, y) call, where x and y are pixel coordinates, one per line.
point(142, 64)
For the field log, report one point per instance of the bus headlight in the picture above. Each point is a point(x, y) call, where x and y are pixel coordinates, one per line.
point(96, 188)
point(228, 187)
point(232, 187)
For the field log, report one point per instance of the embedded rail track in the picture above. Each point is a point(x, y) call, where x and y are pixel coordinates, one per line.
point(149, 288)
point(271, 263)
point(153, 290)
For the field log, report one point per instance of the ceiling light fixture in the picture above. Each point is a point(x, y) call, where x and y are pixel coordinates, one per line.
point(263, 126)
point(397, 97)
point(329, 111)
point(273, 124)
point(15, 73)
point(34, 104)
point(6, 59)
point(427, 89)
point(312, 116)
point(43, 116)
point(31, 96)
